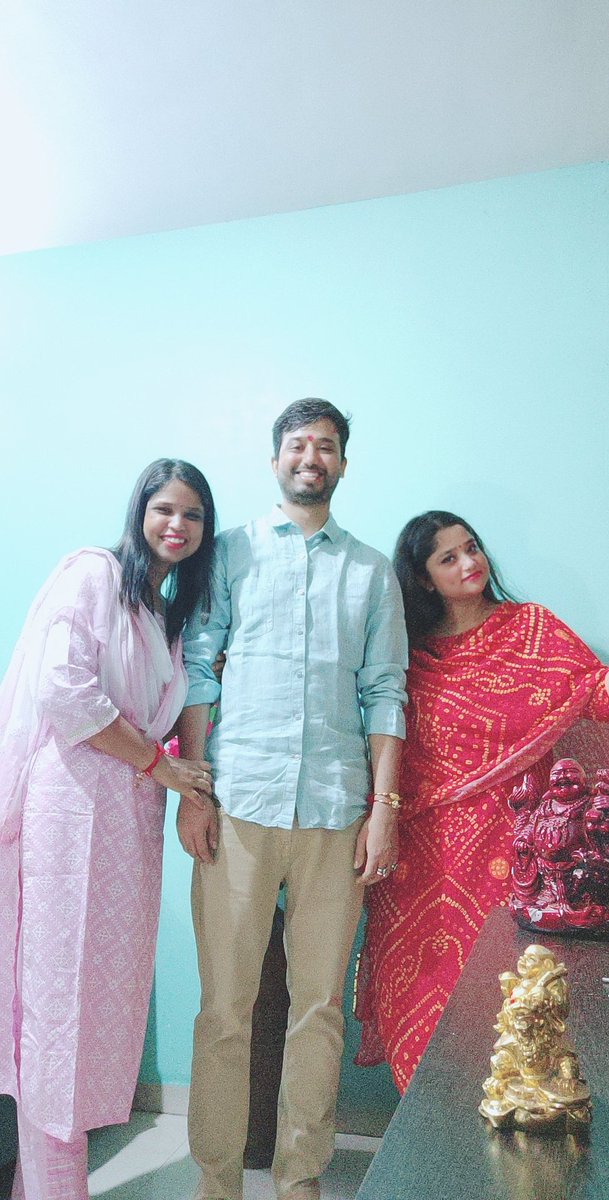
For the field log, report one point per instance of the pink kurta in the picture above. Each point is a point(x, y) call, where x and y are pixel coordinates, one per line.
point(80, 848)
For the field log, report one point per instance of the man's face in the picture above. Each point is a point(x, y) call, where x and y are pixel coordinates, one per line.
point(309, 463)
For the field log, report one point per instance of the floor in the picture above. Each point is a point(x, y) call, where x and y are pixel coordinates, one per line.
point(148, 1159)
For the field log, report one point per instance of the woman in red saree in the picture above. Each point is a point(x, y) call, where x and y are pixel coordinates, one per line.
point(492, 686)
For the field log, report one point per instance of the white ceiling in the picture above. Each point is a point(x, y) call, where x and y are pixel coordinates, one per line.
point(133, 116)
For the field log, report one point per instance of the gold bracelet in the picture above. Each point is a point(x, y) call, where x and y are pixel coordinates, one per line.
point(391, 799)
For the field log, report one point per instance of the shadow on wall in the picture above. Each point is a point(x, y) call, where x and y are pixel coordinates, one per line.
point(149, 1053)
point(8, 1144)
point(8, 1130)
point(368, 1096)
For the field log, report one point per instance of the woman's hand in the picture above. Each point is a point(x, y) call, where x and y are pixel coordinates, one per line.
point(218, 665)
point(377, 845)
point(376, 853)
point(192, 778)
point(198, 828)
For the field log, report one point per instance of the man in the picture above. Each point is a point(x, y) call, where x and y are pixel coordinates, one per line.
point(313, 625)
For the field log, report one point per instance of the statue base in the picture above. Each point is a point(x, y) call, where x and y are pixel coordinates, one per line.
point(592, 921)
point(576, 1120)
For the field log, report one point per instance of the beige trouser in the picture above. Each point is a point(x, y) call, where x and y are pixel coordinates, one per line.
point(233, 905)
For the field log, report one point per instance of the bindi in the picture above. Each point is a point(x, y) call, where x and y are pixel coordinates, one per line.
point(310, 437)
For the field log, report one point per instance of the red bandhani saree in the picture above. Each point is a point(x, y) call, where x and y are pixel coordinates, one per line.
point(484, 706)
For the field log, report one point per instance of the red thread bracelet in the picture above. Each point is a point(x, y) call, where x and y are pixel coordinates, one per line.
point(160, 751)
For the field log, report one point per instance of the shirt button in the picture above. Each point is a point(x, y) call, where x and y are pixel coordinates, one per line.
point(300, 632)
point(299, 674)
point(301, 591)
point(298, 716)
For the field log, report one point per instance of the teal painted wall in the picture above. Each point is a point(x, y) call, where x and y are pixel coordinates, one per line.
point(466, 331)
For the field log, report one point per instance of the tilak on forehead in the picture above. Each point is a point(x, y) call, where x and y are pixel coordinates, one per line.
point(310, 437)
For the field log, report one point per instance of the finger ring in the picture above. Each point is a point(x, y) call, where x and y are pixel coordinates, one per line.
point(393, 867)
point(382, 871)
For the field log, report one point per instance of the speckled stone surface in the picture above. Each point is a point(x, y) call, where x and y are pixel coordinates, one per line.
point(438, 1147)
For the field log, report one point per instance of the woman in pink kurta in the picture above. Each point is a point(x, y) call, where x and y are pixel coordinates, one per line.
point(96, 682)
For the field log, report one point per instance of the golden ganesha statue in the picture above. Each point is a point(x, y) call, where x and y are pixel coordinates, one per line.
point(535, 1082)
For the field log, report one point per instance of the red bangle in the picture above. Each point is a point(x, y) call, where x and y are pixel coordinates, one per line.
point(160, 751)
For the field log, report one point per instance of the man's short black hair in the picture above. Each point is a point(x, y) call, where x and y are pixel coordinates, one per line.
point(306, 412)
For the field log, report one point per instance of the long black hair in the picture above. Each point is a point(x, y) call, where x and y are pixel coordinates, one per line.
point(189, 580)
point(414, 547)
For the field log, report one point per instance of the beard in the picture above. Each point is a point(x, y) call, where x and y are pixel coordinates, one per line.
point(307, 497)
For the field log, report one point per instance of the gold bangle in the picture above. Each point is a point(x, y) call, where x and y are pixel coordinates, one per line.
point(391, 799)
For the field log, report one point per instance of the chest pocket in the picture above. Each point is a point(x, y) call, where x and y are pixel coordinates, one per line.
point(258, 607)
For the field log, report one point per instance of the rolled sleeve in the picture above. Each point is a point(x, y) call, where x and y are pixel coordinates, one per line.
point(385, 717)
point(381, 681)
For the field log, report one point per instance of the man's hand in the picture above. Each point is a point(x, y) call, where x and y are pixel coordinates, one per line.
point(377, 845)
point(197, 824)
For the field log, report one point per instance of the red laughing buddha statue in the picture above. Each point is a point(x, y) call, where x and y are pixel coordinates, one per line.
point(560, 873)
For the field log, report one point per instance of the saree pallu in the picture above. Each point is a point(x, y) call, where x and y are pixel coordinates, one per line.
point(484, 707)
